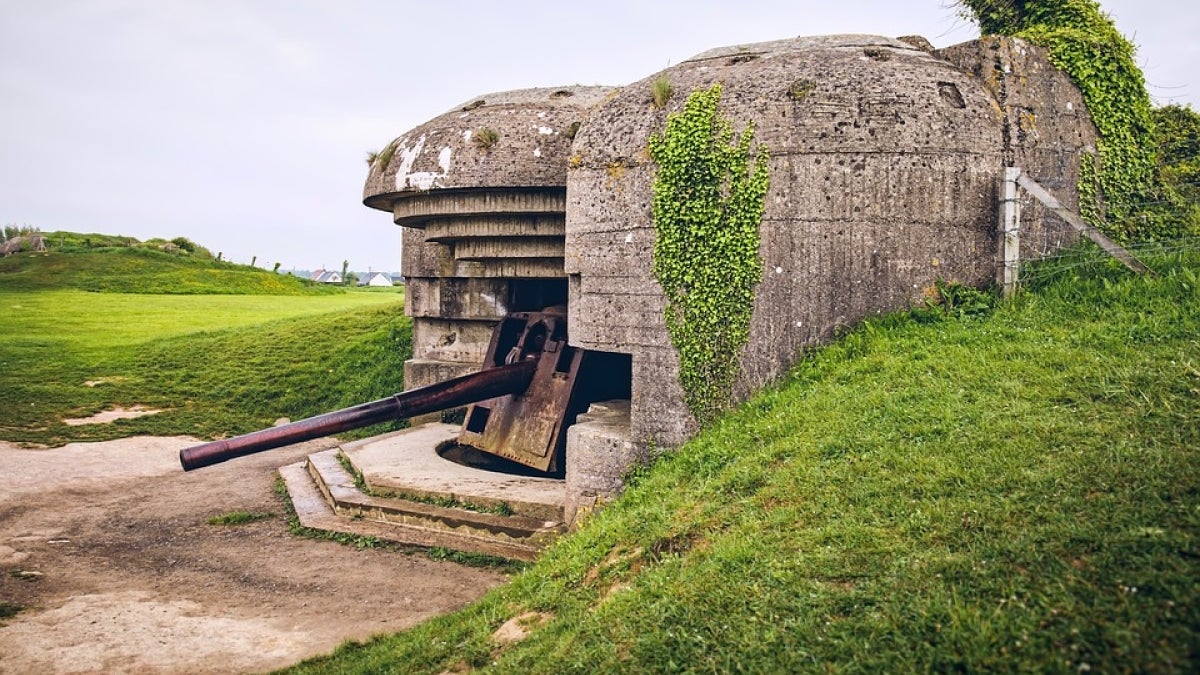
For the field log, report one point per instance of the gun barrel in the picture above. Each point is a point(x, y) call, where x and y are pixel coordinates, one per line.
point(489, 383)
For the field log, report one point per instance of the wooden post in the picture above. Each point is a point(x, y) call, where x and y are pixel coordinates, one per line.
point(1010, 224)
point(1042, 195)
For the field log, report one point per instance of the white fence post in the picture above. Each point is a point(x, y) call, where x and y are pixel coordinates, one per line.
point(1010, 223)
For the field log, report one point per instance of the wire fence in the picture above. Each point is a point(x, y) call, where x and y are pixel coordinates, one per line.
point(1090, 258)
point(1050, 247)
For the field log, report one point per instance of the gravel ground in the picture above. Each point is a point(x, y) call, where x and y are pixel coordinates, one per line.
point(106, 548)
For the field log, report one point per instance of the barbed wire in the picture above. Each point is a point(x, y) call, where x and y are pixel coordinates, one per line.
point(1167, 246)
point(1088, 254)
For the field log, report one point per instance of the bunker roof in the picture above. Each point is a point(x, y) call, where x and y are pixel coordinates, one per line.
point(817, 94)
point(516, 138)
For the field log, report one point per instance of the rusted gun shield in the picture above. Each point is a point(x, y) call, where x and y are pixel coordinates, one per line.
point(531, 427)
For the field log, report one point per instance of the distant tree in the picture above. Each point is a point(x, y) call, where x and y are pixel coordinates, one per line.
point(345, 266)
point(275, 269)
point(253, 260)
point(12, 231)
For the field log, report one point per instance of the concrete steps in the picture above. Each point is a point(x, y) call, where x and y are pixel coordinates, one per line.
point(405, 493)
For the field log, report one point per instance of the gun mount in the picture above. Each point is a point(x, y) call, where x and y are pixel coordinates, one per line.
point(531, 387)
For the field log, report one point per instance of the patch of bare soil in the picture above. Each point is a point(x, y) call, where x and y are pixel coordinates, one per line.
point(107, 548)
point(106, 416)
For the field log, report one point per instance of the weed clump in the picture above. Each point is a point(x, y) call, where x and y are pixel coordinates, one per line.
point(800, 89)
point(385, 157)
point(661, 91)
point(240, 517)
point(485, 138)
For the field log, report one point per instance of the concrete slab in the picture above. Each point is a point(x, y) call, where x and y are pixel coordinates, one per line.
point(347, 500)
point(406, 461)
point(315, 513)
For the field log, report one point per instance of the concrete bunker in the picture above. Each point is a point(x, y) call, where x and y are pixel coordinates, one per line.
point(534, 206)
point(481, 194)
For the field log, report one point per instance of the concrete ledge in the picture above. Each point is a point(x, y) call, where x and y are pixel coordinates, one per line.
point(406, 461)
point(315, 513)
point(451, 229)
point(600, 453)
point(414, 209)
point(348, 500)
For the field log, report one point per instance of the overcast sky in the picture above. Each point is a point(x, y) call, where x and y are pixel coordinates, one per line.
point(244, 126)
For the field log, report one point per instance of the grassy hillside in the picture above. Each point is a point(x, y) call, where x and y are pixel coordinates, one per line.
point(1008, 491)
point(143, 270)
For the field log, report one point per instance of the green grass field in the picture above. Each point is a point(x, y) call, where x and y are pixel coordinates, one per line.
point(81, 322)
point(1013, 491)
point(215, 364)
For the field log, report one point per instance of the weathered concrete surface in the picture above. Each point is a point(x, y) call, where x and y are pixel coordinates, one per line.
point(533, 129)
point(601, 454)
point(484, 223)
point(452, 340)
point(456, 298)
point(423, 372)
point(883, 172)
point(416, 209)
point(1046, 128)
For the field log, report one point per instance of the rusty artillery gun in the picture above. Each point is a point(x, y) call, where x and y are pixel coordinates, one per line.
point(531, 387)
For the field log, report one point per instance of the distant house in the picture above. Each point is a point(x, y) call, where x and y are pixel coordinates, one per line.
point(327, 277)
point(376, 279)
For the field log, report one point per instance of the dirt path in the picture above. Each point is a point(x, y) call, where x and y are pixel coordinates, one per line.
point(107, 546)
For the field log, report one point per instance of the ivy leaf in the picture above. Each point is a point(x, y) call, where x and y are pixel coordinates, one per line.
point(708, 201)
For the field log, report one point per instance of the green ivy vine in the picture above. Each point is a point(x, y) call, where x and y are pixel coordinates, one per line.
point(1082, 40)
point(709, 196)
point(1177, 132)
